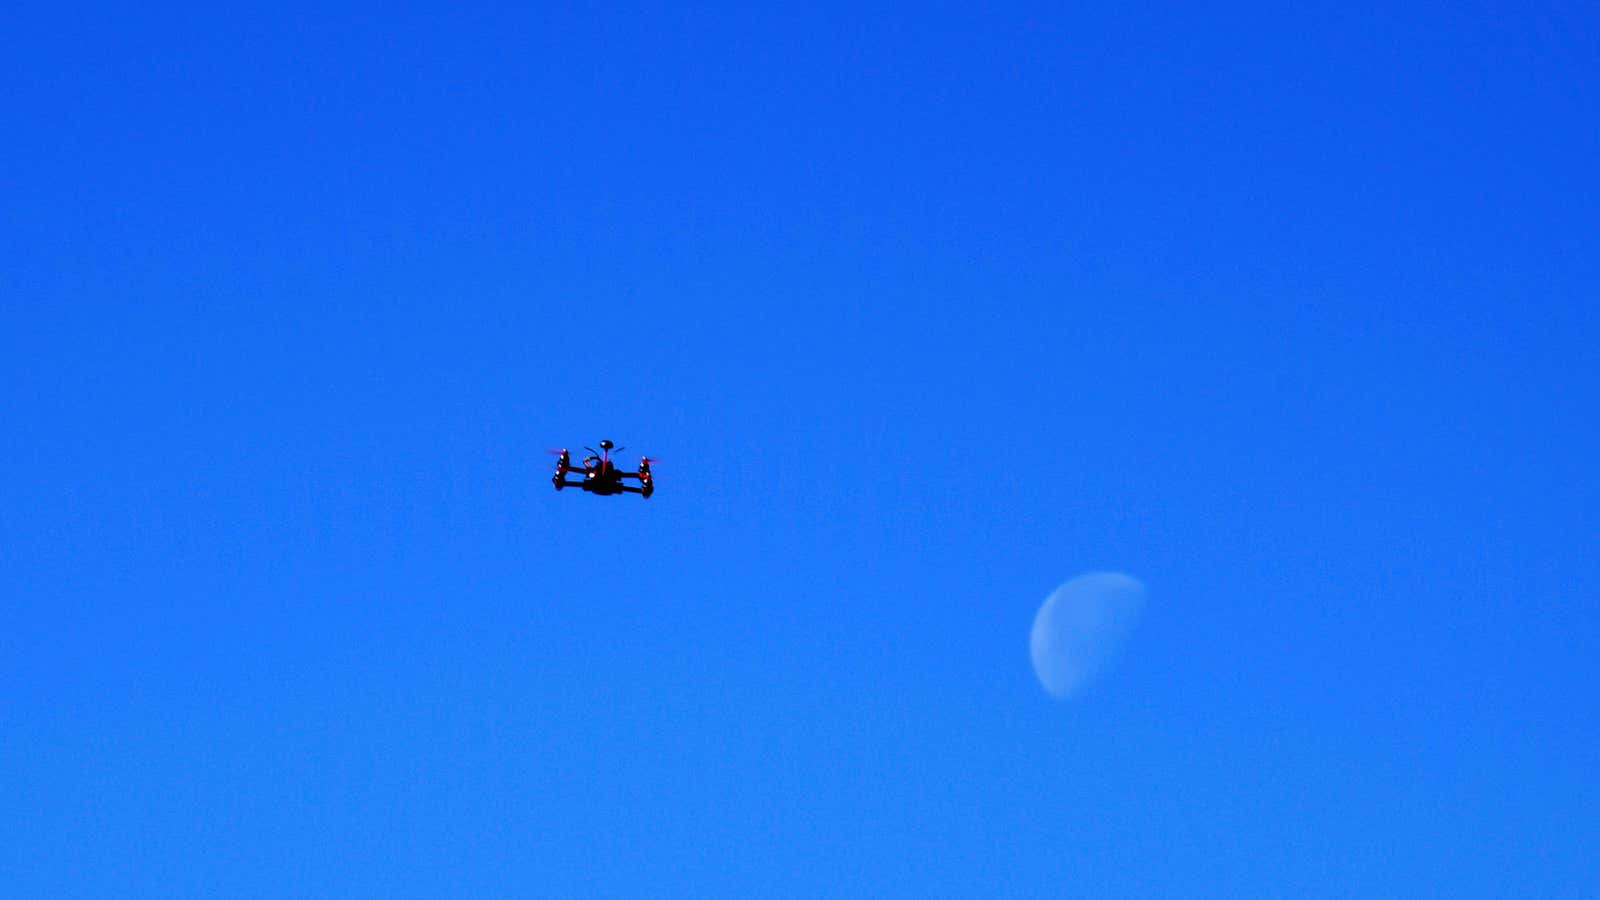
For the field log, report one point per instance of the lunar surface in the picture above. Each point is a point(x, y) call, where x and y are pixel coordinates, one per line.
point(1079, 628)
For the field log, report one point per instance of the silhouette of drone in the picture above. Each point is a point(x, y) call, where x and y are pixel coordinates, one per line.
point(601, 475)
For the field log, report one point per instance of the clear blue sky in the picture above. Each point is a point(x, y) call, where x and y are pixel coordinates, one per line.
point(1289, 312)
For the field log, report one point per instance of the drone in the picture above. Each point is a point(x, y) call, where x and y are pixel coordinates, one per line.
point(601, 475)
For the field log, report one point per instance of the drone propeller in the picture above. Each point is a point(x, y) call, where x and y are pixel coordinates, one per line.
point(645, 460)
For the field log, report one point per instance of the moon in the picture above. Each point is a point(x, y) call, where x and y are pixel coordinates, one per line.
point(1079, 628)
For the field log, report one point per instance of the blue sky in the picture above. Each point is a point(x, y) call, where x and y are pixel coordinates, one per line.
point(1289, 314)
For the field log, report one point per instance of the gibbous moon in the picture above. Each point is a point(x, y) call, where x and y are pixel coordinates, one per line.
point(1080, 627)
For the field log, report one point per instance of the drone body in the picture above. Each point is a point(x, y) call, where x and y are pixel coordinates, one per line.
point(601, 475)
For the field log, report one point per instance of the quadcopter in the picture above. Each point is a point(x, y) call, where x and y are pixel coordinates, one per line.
point(600, 474)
